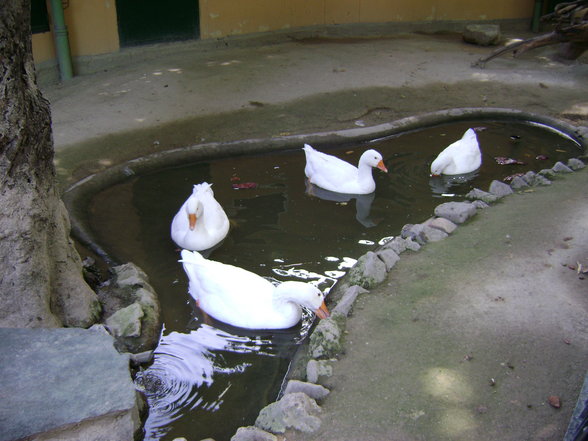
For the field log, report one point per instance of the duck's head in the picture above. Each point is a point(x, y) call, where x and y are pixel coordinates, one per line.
point(194, 210)
point(373, 158)
point(306, 295)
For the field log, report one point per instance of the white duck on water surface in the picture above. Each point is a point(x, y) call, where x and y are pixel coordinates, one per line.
point(334, 174)
point(201, 222)
point(244, 299)
point(461, 157)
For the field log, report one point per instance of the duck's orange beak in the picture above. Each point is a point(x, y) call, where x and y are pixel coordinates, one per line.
point(382, 167)
point(322, 312)
point(192, 220)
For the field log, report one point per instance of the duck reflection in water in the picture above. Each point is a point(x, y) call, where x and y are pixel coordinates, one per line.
point(363, 202)
point(443, 184)
point(191, 371)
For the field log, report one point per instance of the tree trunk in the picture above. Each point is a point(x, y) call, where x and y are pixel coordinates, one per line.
point(41, 282)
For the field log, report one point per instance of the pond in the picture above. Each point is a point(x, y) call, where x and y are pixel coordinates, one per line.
point(208, 378)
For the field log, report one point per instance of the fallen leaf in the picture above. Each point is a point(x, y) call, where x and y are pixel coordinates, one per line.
point(503, 160)
point(554, 401)
point(244, 185)
point(542, 157)
point(511, 177)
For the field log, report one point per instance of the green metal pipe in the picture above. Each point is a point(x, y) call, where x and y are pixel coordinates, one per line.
point(61, 40)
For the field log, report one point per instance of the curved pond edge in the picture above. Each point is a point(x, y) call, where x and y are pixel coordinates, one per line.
point(78, 194)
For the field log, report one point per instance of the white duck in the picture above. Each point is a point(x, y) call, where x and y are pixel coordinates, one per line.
point(244, 299)
point(201, 222)
point(334, 174)
point(463, 156)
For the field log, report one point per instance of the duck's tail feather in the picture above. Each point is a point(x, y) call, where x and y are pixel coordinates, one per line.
point(191, 257)
point(471, 135)
point(201, 188)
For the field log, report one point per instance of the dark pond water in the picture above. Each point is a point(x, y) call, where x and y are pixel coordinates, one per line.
point(208, 379)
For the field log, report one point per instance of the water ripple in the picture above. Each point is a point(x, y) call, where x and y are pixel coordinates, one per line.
point(182, 375)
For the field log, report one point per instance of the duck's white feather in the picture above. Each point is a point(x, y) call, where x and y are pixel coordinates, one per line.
point(463, 156)
point(244, 299)
point(212, 223)
point(334, 174)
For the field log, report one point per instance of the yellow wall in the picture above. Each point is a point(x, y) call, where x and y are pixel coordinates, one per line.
point(219, 18)
point(92, 25)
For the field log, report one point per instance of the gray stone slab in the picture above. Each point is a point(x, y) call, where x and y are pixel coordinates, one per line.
point(55, 378)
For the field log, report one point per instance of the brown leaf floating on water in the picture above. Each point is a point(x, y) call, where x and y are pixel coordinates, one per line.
point(503, 160)
point(244, 185)
point(511, 177)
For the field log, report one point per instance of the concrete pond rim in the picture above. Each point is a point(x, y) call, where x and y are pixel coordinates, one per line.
point(78, 194)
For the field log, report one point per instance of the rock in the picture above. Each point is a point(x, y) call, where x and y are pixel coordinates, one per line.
point(398, 245)
point(548, 173)
point(314, 391)
point(560, 167)
point(440, 223)
point(368, 271)
point(456, 212)
point(477, 194)
point(433, 234)
point(318, 368)
point(480, 205)
point(66, 384)
point(412, 245)
point(534, 179)
point(98, 327)
point(126, 322)
point(575, 164)
point(389, 257)
point(128, 292)
point(296, 410)
point(325, 340)
point(422, 233)
point(518, 182)
point(500, 189)
point(482, 34)
point(252, 433)
point(346, 303)
point(141, 358)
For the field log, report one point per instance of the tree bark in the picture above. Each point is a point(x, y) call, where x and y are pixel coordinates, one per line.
point(41, 282)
